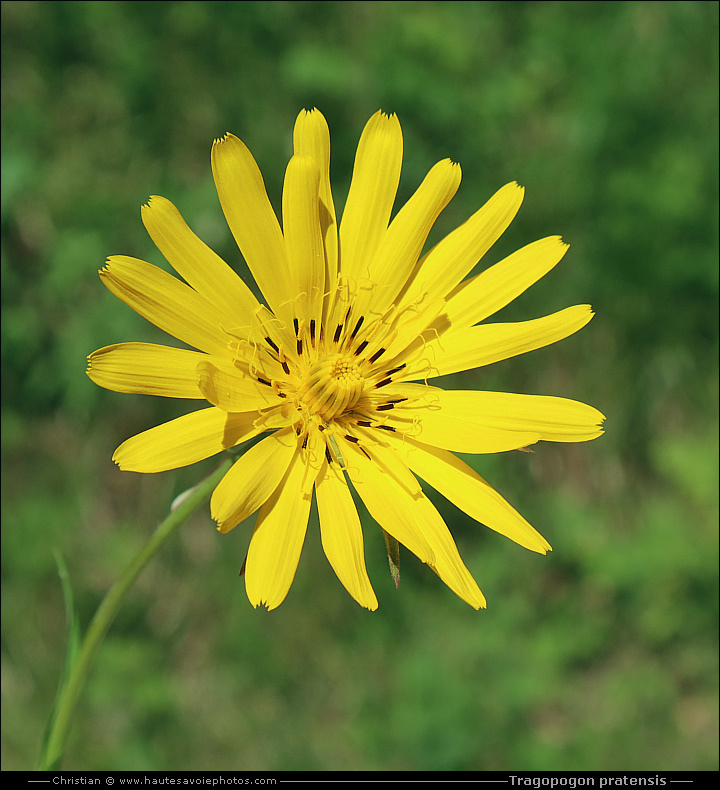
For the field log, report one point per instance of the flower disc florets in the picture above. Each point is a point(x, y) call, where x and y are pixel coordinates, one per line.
point(330, 386)
point(332, 381)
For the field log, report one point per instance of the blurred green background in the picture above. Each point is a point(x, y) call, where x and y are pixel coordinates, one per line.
point(601, 655)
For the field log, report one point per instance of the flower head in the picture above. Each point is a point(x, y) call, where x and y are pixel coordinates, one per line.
point(332, 370)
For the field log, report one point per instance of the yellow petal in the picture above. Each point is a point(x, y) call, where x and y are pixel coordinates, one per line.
point(452, 258)
point(486, 293)
point(251, 218)
point(279, 535)
point(447, 563)
point(401, 508)
point(434, 417)
point(231, 390)
point(387, 501)
point(469, 421)
point(374, 184)
point(401, 246)
point(146, 369)
point(195, 262)
point(185, 440)
point(311, 136)
point(487, 343)
point(555, 419)
point(342, 536)
point(464, 487)
point(252, 479)
point(303, 238)
point(166, 302)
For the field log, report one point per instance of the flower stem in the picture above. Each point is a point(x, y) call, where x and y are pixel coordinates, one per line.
point(70, 693)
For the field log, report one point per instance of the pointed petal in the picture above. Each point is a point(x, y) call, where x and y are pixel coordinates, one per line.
point(311, 136)
point(407, 494)
point(374, 184)
point(487, 343)
point(232, 391)
point(166, 302)
point(452, 258)
point(303, 238)
point(447, 563)
point(146, 369)
point(555, 419)
point(342, 536)
point(196, 263)
point(478, 298)
point(185, 440)
point(464, 487)
point(252, 479)
point(251, 218)
point(386, 499)
point(401, 246)
point(474, 422)
point(279, 534)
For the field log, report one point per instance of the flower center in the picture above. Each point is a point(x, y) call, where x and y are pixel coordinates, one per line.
point(331, 386)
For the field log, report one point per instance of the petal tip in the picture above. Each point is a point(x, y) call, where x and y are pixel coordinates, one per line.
point(227, 138)
point(154, 201)
point(387, 118)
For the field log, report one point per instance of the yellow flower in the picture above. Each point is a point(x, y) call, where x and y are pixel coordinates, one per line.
point(334, 367)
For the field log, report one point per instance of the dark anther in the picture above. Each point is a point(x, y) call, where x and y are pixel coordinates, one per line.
point(353, 439)
point(271, 344)
point(360, 348)
point(377, 355)
point(336, 336)
point(383, 383)
point(365, 423)
point(327, 455)
point(285, 367)
point(297, 326)
point(357, 327)
point(304, 442)
point(385, 428)
point(385, 407)
point(395, 370)
point(265, 382)
point(312, 330)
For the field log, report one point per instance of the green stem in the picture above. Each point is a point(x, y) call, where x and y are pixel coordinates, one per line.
point(57, 734)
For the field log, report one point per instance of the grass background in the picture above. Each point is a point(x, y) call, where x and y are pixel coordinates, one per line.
point(601, 655)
